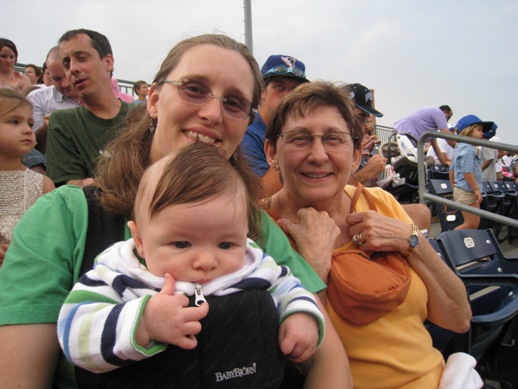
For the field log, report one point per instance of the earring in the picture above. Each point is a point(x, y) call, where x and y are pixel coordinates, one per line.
point(152, 126)
point(275, 165)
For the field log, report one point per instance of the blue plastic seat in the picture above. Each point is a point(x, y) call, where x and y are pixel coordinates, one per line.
point(491, 280)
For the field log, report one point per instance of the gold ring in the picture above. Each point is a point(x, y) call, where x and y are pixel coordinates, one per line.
point(357, 240)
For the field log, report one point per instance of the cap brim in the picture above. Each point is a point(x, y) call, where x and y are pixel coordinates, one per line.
point(370, 111)
point(287, 75)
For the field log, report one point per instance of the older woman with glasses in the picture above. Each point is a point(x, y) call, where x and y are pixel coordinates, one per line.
point(204, 91)
point(384, 279)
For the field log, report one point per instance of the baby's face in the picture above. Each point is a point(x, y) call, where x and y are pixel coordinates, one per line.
point(196, 242)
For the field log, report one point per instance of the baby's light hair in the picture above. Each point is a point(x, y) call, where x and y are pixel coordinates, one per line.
point(194, 174)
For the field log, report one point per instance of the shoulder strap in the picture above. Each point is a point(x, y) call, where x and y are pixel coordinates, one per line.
point(265, 205)
point(104, 229)
point(359, 190)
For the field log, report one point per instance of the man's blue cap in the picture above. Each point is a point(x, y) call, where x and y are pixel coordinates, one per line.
point(469, 120)
point(284, 66)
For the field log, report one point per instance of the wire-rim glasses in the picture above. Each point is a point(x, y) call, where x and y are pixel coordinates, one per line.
point(195, 92)
point(302, 139)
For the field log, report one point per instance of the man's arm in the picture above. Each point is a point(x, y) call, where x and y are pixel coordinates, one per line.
point(81, 183)
point(486, 164)
point(442, 157)
point(41, 134)
point(374, 166)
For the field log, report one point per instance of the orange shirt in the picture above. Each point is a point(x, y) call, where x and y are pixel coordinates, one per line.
point(395, 351)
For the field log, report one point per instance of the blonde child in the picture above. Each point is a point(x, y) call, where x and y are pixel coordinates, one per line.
point(20, 187)
point(466, 169)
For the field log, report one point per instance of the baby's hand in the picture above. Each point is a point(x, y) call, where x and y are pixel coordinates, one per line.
point(298, 337)
point(167, 318)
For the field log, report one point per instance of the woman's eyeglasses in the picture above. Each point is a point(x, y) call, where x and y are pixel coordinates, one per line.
point(303, 139)
point(279, 70)
point(195, 92)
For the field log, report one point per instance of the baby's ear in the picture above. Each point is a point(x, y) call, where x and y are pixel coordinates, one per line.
point(135, 233)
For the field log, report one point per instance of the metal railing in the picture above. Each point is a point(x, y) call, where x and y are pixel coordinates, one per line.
point(423, 195)
point(383, 133)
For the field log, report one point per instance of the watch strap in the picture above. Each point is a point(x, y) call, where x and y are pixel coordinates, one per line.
point(415, 232)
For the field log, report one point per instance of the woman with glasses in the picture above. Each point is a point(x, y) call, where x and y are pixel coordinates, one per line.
point(315, 142)
point(204, 91)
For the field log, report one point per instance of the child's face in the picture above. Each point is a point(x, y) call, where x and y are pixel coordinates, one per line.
point(477, 131)
point(16, 135)
point(195, 242)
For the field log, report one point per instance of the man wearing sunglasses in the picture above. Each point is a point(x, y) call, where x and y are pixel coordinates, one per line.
point(281, 74)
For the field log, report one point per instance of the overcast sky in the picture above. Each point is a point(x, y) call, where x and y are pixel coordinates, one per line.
point(412, 53)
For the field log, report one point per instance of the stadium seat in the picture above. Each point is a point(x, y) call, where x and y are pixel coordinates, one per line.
point(449, 217)
point(491, 280)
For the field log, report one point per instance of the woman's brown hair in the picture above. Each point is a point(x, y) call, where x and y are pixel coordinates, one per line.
point(121, 166)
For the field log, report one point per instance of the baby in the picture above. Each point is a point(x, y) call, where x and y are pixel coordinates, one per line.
point(192, 215)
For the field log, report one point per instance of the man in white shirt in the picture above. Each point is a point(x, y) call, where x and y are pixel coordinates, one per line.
point(61, 95)
point(445, 148)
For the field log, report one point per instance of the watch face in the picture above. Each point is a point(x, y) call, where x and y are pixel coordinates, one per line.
point(414, 240)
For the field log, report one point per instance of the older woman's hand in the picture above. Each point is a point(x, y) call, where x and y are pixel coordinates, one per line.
point(315, 234)
point(378, 232)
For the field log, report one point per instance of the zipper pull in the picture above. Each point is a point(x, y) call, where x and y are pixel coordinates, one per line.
point(199, 299)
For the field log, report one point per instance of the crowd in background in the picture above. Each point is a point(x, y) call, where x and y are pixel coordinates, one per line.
point(316, 165)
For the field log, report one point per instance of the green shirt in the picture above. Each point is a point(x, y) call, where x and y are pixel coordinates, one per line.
point(75, 140)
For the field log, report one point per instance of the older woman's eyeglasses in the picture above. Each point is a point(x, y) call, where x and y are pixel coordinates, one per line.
point(195, 92)
point(303, 139)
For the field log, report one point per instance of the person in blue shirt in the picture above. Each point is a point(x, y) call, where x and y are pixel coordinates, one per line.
point(466, 169)
point(281, 74)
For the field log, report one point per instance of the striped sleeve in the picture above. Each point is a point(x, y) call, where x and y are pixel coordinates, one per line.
point(99, 319)
point(289, 295)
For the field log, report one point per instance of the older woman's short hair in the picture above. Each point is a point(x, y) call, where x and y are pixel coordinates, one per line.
point(308, 97)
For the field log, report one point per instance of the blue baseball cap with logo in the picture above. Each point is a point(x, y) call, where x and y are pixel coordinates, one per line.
point(284, 66)
point(469, 120)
